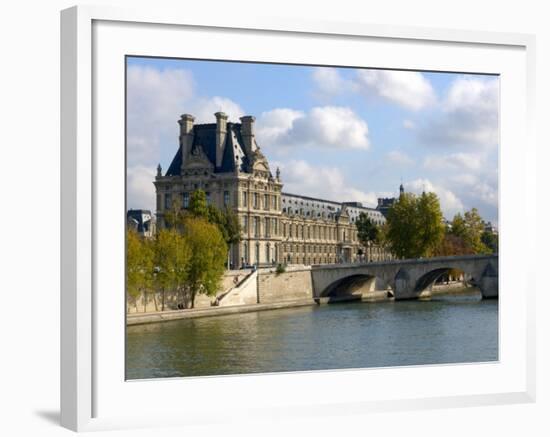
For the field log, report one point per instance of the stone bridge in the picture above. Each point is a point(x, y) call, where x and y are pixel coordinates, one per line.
point(408, 279)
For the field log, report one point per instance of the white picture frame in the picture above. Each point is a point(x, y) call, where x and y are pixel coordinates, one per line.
point(91, 386)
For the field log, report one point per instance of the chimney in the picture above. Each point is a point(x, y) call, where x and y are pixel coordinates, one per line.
point(247, 132)
point(221, 131)
point(186, 135)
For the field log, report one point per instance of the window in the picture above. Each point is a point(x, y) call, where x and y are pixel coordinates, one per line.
point(274, 202)
point(245, 199)
point(245, 252)
point(245, 224)
point(226, 198)
point(185, 200)
point(257, 257)
point(266, 201)
point(266, 227)
point(267, 253)
point(208, 197)
point(274, 226)
point(257, 226)
point(255, 200)
point(167, 201)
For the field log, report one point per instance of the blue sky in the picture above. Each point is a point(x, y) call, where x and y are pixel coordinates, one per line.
point(336, 133)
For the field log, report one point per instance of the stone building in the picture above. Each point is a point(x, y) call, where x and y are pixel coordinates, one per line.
point(225, 161)
point(385, 203)
point(142, 221)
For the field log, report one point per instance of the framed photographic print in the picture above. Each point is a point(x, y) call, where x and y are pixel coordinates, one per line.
point(252, 209)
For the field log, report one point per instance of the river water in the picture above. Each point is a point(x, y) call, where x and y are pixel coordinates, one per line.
point(446, 329)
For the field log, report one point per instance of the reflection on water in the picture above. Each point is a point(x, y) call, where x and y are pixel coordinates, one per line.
point(446, 329)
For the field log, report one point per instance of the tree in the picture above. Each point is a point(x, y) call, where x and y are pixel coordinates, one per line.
point(198, 206)
point(175, 216)
point(139, 264)
point(415, 225)
point(367, 231)
point(469, 228)
point(171, 259)
point(490, 240)
point(207, 263)
point(430, 220)
point(452, 245)
point(227, 222)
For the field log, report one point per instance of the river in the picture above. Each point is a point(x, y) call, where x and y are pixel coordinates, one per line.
point(446, 329)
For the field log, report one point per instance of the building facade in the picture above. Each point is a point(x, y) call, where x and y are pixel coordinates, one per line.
point(225, 161)
point(141, 221)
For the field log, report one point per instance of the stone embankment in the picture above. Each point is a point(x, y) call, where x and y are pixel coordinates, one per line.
point(265, 289)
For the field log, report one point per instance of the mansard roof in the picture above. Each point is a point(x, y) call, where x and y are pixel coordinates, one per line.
point(315, 207)
point(205, 139)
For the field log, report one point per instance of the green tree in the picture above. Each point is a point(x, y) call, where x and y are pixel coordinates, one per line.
point(207, 263)
point(171, 259)
point(367, 232)
point(469, 228)
point(227, 222)
point(139, 265)
point(198, 206)
point(430, 220)
point(490, 240)
point(175, 216)
point(415, 225)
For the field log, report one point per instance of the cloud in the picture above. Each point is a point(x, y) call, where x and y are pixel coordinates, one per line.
point(449, 201)
point(408, 89)
point(399, 158)
point(325, 126)
point(329, 81)
point(454, 161)
point(325, 182)
point(205, 108)
point(156, 98)
point(140, 189)
point(409, 124)
point(469, 116)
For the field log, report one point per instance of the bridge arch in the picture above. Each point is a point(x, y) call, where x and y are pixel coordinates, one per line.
point(429, 278)
point(353, 286)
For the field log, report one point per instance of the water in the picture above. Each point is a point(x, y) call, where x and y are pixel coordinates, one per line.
point(447, 329)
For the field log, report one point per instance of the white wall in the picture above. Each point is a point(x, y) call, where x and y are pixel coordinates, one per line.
point(29, 172)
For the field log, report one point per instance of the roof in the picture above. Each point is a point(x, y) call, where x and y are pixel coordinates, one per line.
point(205, 138)
point(314, 207)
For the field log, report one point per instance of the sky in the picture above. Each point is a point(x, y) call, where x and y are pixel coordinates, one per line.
point(343, 134)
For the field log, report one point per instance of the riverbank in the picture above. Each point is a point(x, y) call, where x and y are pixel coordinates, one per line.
point(165, 316)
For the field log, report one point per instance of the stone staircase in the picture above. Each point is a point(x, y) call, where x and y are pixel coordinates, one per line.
point(244, 293)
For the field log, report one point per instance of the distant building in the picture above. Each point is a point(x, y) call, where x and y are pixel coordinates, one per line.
point(225, 161)
point(385, 203)
point(489, 227)
point(142, 221)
